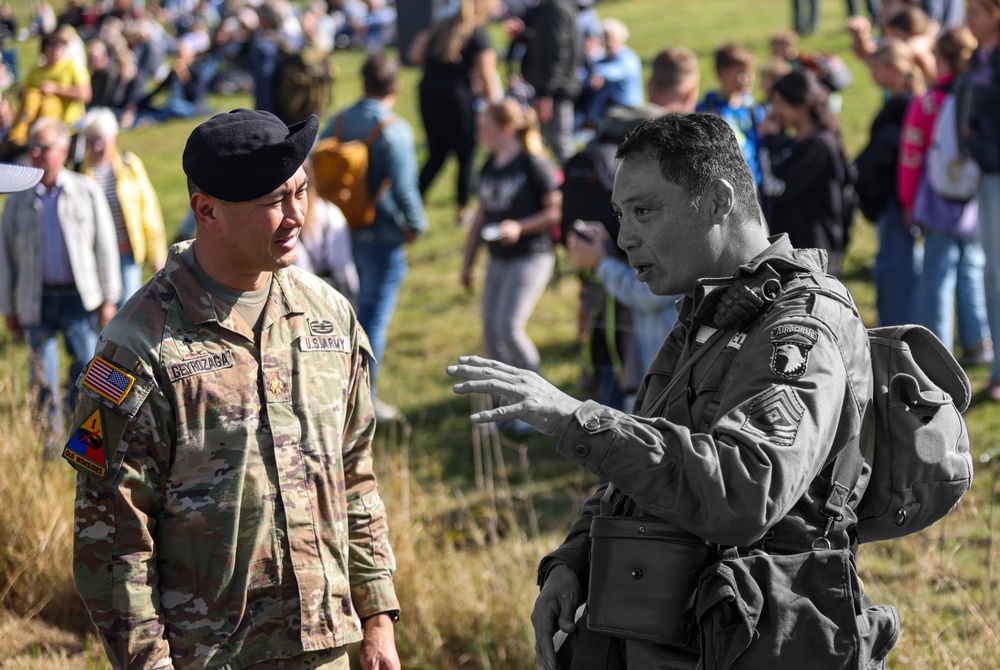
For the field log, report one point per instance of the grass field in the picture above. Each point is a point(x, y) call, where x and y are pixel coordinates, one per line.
point(472, 511)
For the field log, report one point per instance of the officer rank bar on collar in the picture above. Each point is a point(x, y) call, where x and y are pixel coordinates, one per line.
point(108, 380)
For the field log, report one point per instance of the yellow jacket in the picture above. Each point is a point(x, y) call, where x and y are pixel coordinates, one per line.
point(140, 207)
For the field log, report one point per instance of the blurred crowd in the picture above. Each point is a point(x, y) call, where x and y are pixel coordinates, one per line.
point(548, 107)
point(152, 63)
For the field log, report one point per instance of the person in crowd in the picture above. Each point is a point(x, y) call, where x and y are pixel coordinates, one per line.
point(58, 88)
point(145, 39)
point(105, 78)
point(802, 172)
point(898, 259)
point(863, 44)
point(459, 67)
point(805, 16)
point(951, 280)
point(135, 207)
point(983, 17)
point(185, 87)
point(379, 250)
point(914, 27)
point(236, 374)
point(615, 78)
point(784, 45)
point(702, 452)
point(622, 322)
point(733, 101)
point(673, 80)
point(263, 55)
point(59, 271)
point(326, 243)
point(519, 199)
point(552, 56)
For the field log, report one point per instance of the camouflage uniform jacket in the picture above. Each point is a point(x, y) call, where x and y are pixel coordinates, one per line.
point(239, 518)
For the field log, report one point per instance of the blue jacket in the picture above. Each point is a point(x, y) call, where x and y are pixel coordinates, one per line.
point(652, 315)
point(392, 155)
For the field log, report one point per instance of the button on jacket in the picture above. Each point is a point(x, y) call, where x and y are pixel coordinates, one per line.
point(241, 519)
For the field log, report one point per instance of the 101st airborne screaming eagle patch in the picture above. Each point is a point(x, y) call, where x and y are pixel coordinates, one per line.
point(791, 344)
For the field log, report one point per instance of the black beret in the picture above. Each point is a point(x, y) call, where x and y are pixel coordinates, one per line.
point(245, 154)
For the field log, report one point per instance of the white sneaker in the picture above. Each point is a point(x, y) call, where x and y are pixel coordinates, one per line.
point(384, 412)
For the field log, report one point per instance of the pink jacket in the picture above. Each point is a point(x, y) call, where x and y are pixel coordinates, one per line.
point(918, 131)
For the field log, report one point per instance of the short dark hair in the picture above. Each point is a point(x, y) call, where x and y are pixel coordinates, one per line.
point(732, 55)
point(380, 74)
point(695, 150)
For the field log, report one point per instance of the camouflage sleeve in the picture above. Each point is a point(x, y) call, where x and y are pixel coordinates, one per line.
point(114, 563)
point(370, 561)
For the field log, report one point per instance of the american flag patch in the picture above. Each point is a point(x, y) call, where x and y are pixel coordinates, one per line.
point(107, 380)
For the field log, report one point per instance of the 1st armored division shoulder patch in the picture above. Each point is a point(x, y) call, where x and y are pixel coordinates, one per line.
point(86, 448)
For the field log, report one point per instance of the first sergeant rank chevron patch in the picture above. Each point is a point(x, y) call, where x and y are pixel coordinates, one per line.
point(774, 415)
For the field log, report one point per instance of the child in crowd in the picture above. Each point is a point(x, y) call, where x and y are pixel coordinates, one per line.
point(983, 18)
point(914, 27)
point(862, 43)
point(734, 67)
point(784, 46)
point(897, 262)
point(520, 201)
point(801, 174)
point(951, 280)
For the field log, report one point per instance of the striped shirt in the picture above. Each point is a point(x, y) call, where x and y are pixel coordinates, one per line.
point(105, 176)
point(56, 269)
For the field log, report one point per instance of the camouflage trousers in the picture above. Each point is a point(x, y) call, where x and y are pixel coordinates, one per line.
point(325, 659)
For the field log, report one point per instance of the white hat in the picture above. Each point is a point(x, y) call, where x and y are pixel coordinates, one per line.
point(15, 177)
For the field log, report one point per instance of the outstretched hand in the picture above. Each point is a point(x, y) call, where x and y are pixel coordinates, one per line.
point(526, 395)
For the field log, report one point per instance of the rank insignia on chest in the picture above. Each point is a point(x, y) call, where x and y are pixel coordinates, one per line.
point(790, 345)
point(86, 448)
point(107, 380)
point(774, 415)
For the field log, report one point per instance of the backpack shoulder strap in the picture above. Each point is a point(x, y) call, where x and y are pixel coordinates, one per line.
point(338, 126)
point(377, 130)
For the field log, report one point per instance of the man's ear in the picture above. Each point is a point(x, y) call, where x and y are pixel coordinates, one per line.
point(720, 199)
point(205, 209)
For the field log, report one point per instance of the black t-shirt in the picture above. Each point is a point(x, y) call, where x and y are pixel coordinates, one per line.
point(440, 74)
point(801, 179)
point(515, 191)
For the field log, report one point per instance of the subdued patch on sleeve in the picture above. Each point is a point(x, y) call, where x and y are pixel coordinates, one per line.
point(774, 415)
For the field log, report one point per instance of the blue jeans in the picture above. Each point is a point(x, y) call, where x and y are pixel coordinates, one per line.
point(989, 227)
point(897, 269)
point(62, 312)
point(131, 277)
point(953, 275)
point(381, 268)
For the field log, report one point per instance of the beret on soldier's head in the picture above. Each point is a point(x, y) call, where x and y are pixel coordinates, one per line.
point(245, 154)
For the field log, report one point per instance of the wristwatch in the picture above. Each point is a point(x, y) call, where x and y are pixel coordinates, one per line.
point(392, 614)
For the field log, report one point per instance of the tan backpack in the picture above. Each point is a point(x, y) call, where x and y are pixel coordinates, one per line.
point(341, 173)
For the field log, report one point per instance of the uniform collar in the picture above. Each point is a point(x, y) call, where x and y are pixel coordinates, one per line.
point(780, 255)
point(202, 307)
